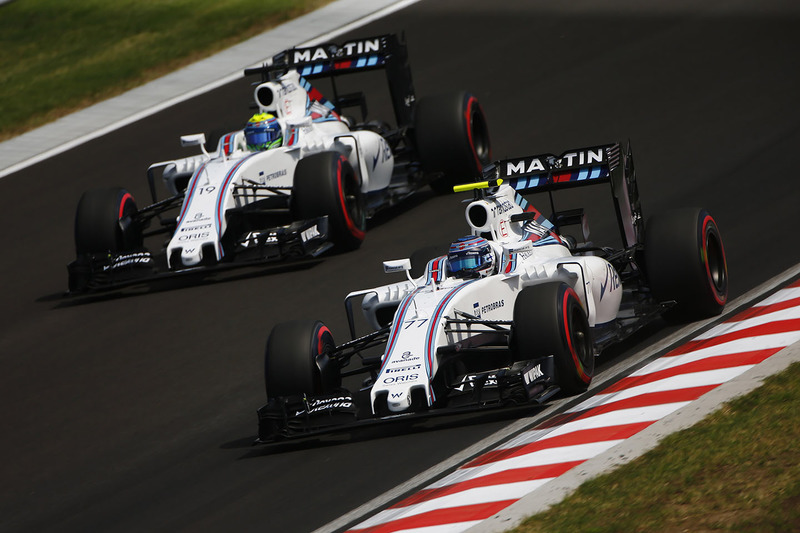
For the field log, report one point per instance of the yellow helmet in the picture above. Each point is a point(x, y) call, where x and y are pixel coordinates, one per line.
point(263, 131)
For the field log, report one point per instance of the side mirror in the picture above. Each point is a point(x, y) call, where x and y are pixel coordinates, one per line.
point(193, 140)
point(397, 265)
point(197, 139)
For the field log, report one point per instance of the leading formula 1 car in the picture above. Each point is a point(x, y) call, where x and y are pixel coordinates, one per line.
point(300, 178)
point(513, 313)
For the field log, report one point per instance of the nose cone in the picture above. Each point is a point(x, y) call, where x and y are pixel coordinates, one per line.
point(398, 401)
point(191, 256)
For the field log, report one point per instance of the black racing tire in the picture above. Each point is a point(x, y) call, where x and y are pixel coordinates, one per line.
point(296, 360)
point(452, 139)
point(549, 320)
point(685, 261)
point(325, 184)
point(103, 223)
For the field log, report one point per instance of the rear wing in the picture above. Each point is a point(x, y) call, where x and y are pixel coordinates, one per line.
point(383, 52)
point(547, 172)
point(574, 168)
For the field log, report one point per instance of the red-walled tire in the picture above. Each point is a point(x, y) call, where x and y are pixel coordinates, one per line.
point(452, 139)
point(296, 360)
point(549, 320)
point(103, 223)
point(325, 184)
point(685, 262)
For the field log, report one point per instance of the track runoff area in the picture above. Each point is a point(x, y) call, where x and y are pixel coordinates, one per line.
point(670, 387)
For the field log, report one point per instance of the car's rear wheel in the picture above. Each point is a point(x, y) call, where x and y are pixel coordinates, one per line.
point(549, 320)
point(325, 184)
point(685, 262)
point(103, 222)
point(452, 139)
point(296, 360)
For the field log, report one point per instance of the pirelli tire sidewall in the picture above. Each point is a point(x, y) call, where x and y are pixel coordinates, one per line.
point(549, 319)
point(104, 222)
point(685, 263)
point(452, 139)
point(326, 184)
point(296, 360)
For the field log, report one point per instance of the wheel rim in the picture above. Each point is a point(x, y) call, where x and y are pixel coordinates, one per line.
point(352, 204)
point(576, 333)
point(580, 338)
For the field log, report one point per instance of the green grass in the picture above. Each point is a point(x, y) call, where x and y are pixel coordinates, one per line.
point(737, 470)
point(57, 56)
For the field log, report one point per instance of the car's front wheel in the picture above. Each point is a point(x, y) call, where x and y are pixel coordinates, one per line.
point(325, 184)
point(549, 320)
point(103, 222)
point(296, 360)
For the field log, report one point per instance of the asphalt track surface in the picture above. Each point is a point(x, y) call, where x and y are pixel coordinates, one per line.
point(137, 413)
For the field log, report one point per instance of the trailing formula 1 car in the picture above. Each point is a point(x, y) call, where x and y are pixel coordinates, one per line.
point(513, 313)
point(298, 179)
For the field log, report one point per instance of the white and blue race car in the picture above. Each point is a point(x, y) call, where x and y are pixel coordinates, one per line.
point(515, 312)
point(301, 177)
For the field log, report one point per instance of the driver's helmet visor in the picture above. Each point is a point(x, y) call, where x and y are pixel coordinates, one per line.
point(467, 261)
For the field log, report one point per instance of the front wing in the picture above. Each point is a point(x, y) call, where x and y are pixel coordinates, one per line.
point(528, 382)
point(291, 244)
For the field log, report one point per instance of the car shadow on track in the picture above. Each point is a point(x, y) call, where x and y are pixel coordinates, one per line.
point(200, 278)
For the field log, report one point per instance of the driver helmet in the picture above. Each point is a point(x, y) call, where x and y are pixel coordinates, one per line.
point(470, 257)
point(263, 131)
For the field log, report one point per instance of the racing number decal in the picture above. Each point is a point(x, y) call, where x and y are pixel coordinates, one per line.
point(420, 322)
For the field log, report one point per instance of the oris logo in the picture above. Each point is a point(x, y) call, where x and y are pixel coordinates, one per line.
point(194, 236)
point(391, 380)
